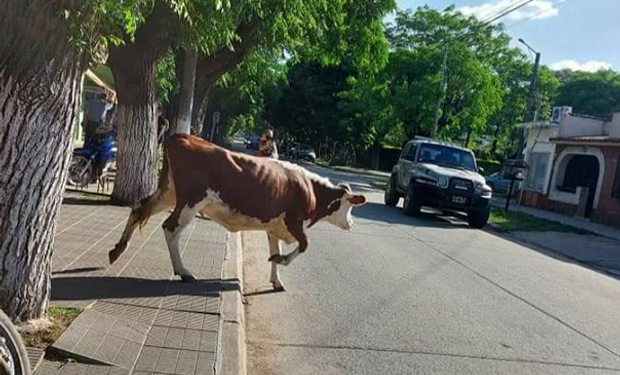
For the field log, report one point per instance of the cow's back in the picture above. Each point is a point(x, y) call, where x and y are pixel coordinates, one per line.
point(260, 188)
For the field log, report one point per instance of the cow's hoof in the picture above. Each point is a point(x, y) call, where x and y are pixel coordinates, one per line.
point(188, 279)
point(278, 258)
point(278, 286)
point(114, 254)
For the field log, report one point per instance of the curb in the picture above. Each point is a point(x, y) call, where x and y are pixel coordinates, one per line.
point(231, 358)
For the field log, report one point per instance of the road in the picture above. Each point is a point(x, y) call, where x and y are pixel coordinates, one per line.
point(400, 295)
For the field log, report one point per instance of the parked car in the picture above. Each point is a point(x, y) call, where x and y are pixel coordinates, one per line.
point(251, 142)
point(303, 152)
point(442, 176)
point(499, 184)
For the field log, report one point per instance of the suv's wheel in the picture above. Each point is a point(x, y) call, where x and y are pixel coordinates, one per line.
point(412, 204)
point(478, 219)
point(390, 197)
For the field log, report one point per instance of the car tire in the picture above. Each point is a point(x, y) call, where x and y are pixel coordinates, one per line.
point(412, 203)
point(478, 219)
point(391, 197)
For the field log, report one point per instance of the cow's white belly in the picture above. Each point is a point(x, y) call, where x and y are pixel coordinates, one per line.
point(235, 221)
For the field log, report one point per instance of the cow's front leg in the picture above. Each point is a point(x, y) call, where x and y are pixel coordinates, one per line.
point(275, 252)
point(296, 229)
point(173, 227)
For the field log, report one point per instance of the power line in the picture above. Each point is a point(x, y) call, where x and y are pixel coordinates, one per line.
point(559, 4)
point(504, 12)
point(492, 15)
point(517, 7)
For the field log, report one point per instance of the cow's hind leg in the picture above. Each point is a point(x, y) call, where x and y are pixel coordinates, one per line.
point(173, 227)
point(152, 205)
point(275, 250)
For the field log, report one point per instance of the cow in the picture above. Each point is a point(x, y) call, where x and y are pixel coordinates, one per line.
point(239, 192)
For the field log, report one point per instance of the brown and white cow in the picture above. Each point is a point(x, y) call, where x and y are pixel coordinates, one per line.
point(240, 192)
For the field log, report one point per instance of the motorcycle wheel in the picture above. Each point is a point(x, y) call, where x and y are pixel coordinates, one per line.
point(13, 356)
point(80, 171)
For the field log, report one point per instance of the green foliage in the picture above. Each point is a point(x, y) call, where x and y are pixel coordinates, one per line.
point(518, 221)
point(165, 73)
point(595, 94)
point(490, 166)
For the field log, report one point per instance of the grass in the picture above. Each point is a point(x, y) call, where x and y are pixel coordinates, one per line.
point(95, 198)
point(518, 221)
point(45, 335)
point(381, 184)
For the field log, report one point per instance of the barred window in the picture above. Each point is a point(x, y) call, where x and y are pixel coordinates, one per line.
point(537, 175)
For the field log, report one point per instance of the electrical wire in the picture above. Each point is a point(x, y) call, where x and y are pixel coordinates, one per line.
point(557, 5)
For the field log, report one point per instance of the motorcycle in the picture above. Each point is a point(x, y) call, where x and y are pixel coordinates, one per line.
point(13, 356)
point(93, 161)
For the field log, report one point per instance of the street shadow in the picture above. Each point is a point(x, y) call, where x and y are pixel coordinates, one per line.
point(393, 215)
point(110, 287)
point(98, 200)
point(612, 270)
point(77, 270)
point(262, 291)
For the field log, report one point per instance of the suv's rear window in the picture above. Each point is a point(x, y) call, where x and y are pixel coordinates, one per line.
point(447, 156)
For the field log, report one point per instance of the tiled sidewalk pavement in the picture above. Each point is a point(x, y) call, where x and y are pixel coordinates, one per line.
point(141, 320)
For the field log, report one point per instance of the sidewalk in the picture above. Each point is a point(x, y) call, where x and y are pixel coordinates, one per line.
point(599, 229)
point(138, 318)
point(601, 250)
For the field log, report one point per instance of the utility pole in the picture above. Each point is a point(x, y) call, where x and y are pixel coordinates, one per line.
point(442, 79)
point(529, 106)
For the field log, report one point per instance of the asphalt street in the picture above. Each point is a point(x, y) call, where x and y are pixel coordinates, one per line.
point(400, 295)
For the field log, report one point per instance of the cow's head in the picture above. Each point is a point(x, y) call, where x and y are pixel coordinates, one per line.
point(339, 210)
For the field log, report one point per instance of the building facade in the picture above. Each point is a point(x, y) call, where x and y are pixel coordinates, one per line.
point(574, 166)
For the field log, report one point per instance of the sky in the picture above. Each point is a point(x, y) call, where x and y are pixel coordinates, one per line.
point(576, 34)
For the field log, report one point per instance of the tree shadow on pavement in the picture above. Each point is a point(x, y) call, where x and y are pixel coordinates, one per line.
point(86, 201)
point(110, 287)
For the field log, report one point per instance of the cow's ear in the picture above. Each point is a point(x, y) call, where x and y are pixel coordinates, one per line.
point(357, 200)
point(344, 186)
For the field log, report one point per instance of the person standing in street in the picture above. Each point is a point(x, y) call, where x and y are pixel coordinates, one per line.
point(267, 145)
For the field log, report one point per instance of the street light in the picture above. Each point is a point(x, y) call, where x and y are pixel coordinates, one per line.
point(527, 116)
point(527, 45)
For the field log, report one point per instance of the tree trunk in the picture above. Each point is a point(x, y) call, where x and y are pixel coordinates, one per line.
point(183, 120)
point(201, 104)
point(133, 65)
point(40, 92)
point(211, 68)
point(495, 139)
point(136, 177)
point(466, 145)
point(375, 155)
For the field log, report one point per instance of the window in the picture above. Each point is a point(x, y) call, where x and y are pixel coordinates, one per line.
point(615, 190)
point(411, 153)
point(537, 176)
point(447, 156)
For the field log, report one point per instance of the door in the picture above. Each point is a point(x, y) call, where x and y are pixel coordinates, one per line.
point(406, 164)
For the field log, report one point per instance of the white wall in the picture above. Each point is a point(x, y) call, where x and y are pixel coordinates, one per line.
point(612, 128)
point(574, 126)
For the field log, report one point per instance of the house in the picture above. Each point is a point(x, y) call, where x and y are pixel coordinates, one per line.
point(574, 166)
